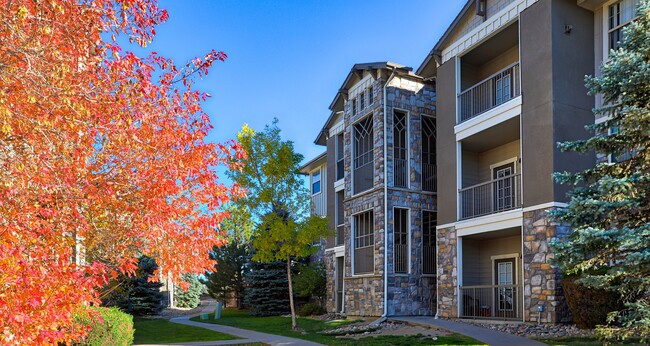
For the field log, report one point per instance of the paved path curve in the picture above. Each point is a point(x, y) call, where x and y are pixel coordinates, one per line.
point(488, 336)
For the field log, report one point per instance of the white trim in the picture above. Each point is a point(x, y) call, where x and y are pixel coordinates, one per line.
point(352, 239)
point(494, 116)
point(459, 272)
point(337, 128)
point(339, 185)
point(546, 206)
point(459, 175)
point(319, 170)
point(489, 28)
point(514, 270)
point(447, 225)
point(489, 223)
point(339, 251)
point(353, 145)
point(503, 163)
point(603, 119)
point(408, 240)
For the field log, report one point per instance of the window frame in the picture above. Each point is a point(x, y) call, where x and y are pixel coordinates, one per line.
point(406, 147)
point(318, 181)
point(430, 154)
point(433, 234)
point(407, 233)
point(355, 157)
point(606, 30)
point(371, 235)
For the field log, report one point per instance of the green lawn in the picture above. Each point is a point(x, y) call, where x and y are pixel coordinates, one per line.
point(156, 331)
point(311, 328)
point(584, 341)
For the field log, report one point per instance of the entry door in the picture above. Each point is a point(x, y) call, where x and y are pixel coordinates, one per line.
point(504, 272)
point(503, 87)
point(503, 188)
point(339, 284)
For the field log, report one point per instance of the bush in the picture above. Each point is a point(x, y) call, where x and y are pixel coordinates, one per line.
point(110, 326)
point(192, 297)
point(310, 281)
point(589, 306)
point(311, 309)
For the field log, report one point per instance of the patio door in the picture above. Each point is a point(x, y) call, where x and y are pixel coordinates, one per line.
point(504, 278)
point(503, 187)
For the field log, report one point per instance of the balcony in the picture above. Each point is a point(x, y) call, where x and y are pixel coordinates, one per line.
point(491, 92)
point(491, 302)
point(494, 196)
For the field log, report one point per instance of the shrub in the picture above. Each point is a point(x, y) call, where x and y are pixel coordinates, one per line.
point(310, 281)
point(110, 326)
point(311, 309)
point(589, 306)
point(192, 297)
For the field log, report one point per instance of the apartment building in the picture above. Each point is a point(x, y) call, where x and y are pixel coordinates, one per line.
point(504, 85)
point(376, 182)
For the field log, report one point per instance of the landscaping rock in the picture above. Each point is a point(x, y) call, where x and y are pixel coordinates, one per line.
point(531, 330)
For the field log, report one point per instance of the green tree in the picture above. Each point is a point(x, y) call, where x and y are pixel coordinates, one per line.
point(609, 208)
point(226, 281)
point(311, 281)
point(279, 199)
point(191, 297)
point(267, 292)
point(135, 295)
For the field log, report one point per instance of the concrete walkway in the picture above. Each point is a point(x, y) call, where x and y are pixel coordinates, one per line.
point(488, 336)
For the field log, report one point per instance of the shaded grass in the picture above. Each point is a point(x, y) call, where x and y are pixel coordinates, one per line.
point(311, 329)
point(151, 331)
point(584, 341)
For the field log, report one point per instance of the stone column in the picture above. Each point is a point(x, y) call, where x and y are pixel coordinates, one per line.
point(541, 279)
point(447, 273)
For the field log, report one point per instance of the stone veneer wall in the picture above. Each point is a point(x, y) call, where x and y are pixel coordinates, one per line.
point(541, 279)
point(447, 273)
point(330, 277)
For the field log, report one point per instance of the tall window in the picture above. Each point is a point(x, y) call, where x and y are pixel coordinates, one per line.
point(428, 242)
point(340, 168)
point(362, 101)
point(428, 154)
point(401, 240)
point(315, 182)
point(364, 241)
point(340, 218)
point(400, 157)
point(371, 97)
point(354, 106)
point(363, 157)
point(620, 14)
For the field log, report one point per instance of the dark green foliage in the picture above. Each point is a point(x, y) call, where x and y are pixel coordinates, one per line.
point(226, 282)
point(192, 297)
point(135, 294)
point(114, 328)
point(311, 309)
point(589, 306)
point(609, 209)
point(310, 281)
point(267, 292)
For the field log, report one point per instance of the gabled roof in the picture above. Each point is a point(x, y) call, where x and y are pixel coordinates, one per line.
point(425, 69)
point(355, 75)
point(313, 163)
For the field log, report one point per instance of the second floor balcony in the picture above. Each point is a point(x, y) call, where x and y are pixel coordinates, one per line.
point(494, 196)
point(491, 92)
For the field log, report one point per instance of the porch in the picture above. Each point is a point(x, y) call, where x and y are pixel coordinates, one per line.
point(491, 275)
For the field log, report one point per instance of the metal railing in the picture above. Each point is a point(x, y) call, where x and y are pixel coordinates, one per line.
point(493, 91)
point(401, 258)
point(339, 235)
point(400, 173)
point(428, 260)
point(491, 302)
point(490, 197)
point(429, 177)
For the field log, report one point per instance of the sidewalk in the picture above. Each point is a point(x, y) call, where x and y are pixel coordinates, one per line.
point(490, 337)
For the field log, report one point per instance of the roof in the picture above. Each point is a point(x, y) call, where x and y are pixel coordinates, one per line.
point(355, 74)
point(313, 163)
point(425, 68)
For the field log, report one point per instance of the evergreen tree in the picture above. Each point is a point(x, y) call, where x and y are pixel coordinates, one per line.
point(609, 208)
point(267, 292)
point(136, 295)
point(191, 297)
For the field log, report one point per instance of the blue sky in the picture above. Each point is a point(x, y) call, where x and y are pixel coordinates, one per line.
point(287, 59)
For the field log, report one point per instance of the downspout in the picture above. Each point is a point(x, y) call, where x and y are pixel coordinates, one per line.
point(392, 74)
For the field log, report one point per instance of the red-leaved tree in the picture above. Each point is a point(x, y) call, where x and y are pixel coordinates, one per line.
point(102, 158)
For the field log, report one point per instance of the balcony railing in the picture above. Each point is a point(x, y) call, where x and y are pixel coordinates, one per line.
point(490, 197)
point(493, 91)
point(400, 173)
point(429, 177)
point(491, 302)
point(401, 258)
point(428, 260)
point(339, 235)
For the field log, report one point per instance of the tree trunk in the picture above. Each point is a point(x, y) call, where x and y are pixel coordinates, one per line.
point(294, 324)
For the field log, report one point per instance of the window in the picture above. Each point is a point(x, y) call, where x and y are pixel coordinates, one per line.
point(401, 240)
point(364, 243)
point(370, 97)
point(315, 182)
point(340, 168)
point(428, 242)
point(363, 157)
point(362, 101)
point(428, 154)
point(400, 157)
point(354, 106)
point(503, 93)
point(340, 218)
point(619, 14)
point(622, 155)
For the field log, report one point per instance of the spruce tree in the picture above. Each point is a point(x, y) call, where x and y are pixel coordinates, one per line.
point(609, 208)
point(267, 290)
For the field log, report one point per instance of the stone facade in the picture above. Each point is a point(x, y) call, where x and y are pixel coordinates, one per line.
point(447, 273)
point(541, 279)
